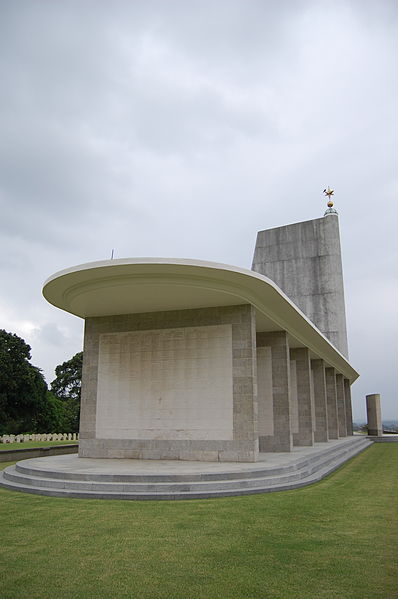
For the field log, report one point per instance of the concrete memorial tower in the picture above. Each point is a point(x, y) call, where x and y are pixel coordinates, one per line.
point(304, 260)
point(190, 361)
point(200, 361)
point(193, 360)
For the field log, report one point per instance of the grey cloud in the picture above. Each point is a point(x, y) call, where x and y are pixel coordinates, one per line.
point(181, 131)
point(51, 333)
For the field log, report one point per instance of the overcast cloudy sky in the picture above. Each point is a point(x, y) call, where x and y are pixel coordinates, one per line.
point(181, 128)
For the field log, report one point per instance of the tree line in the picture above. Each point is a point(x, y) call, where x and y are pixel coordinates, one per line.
point(27, 405)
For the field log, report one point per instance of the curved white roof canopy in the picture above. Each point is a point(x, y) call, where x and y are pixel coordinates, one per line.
point(136, 285)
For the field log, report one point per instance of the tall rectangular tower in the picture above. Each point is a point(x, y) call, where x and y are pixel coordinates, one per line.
point(304, 260)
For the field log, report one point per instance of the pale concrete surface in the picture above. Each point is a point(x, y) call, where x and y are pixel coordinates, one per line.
point(341, 410)
point(143, 285)
point(151, 391)
point(385, 438)
point(373, 409)
point(282, 437)
point(293, 397)
point(140, 480)
point(166, 384)
point(198, 399)
point(73, 463)
point(265, 399)
point(320, 399)
point(331, 397)
point(305, 434)
point(348, 406)
point(304, 260)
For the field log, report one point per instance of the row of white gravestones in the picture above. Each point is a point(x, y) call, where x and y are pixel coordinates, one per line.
point(39, 437)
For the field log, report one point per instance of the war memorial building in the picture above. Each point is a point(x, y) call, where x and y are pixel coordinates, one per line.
point(207, 380)
point(193, 360)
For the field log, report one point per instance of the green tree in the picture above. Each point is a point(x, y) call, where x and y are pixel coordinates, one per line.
point(66, 387)
point(52, 416)
point(23, 390)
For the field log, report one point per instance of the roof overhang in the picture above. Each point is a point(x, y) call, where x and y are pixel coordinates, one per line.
point(137, 285)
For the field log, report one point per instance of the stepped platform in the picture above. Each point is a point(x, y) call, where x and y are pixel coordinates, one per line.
point(385, 438)
point(71, 476)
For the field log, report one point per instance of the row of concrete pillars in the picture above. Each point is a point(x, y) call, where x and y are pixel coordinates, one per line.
point(311, 402)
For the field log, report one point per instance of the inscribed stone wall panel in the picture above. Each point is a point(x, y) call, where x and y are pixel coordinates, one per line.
point(244, 443)
point(166, 384)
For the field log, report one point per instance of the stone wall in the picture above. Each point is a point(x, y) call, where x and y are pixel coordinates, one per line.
point(166, 384)
point(171, 385)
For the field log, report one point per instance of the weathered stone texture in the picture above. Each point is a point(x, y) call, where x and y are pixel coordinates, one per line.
point(320, 398)
point(243, 444)
point(341, 413)
point(305, 434)
point(373, 409)
point(331, 394)
point(348, 406)
point(282, 439)
point(304, 260)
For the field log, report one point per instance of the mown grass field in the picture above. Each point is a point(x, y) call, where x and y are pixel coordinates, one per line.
point(30, 444)
point(337, 539)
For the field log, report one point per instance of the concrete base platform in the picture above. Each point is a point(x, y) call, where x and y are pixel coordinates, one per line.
point(71, 476)
point(386, 438)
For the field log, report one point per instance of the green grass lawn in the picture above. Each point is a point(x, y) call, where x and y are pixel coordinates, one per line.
point(29, 444)
point(337, 539)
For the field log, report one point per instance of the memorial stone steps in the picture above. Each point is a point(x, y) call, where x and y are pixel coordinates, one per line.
point(299, 471)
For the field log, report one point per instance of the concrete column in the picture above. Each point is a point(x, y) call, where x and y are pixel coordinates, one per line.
point(265, 409)
point(293, 397)
point(373, 408)
point(341, 416)
point(281, 439)
point(305, 435)
point(320, 398)
point(348, 406)
point(331, 395)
